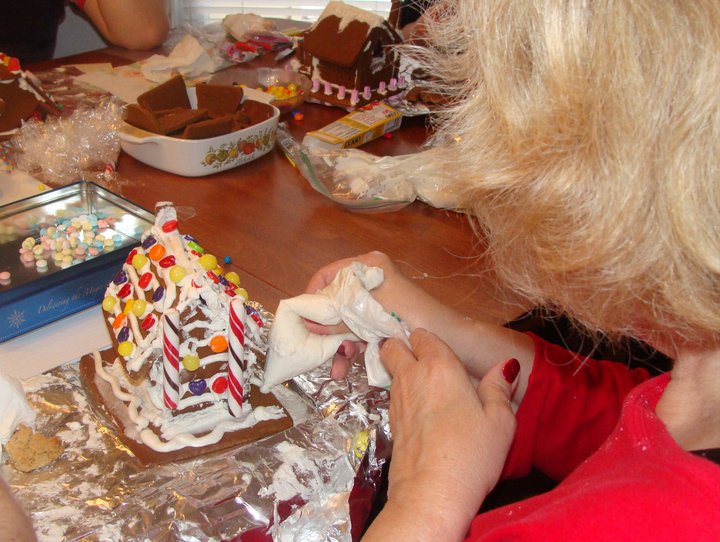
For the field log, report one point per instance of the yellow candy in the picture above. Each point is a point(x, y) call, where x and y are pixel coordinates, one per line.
point(242, 292)
point(128, 306)
point(125, 348)
point(360, 443)
point(191, 362)
point(218, 270)
point(139, 261)
point(138, 307)
point(233, 277)
point(108, 303)
point(177, 273)
point(208, 261)
point(292, 87)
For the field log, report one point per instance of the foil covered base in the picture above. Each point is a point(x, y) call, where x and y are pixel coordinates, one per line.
point(314, 481)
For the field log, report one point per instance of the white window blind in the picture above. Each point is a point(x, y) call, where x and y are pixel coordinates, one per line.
point(202, 12)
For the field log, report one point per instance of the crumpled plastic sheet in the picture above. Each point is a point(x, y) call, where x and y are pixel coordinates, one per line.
point(363, 181)
point(82, 145)
point(315, 481)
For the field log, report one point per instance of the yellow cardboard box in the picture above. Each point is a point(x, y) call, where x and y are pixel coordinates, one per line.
point(356, 128)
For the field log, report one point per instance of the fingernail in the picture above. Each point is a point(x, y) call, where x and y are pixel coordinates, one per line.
point(341, 350)
point(510, 370)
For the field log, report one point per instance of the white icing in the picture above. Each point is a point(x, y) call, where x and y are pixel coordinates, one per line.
point(177, 431)
point(347, 13)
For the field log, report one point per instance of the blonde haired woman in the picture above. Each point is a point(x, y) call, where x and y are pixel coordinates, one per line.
point(587, 138)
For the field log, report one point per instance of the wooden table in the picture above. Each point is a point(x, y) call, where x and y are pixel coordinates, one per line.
point(278, 230)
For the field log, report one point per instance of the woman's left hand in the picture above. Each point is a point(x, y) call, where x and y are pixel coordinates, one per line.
point(450, 438)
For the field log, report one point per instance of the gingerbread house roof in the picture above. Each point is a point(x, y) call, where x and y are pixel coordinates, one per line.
point(342, 31)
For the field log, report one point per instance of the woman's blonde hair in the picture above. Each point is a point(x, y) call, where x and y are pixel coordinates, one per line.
point(588, 140)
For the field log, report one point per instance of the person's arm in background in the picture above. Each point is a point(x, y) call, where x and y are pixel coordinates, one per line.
point(133, 24)
point(14, 523)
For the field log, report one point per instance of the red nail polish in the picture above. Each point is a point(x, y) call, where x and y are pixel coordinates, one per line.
point(510, 370)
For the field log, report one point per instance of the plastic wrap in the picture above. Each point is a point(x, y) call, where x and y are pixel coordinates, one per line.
point(82, 145)
point(363, 181)
point(314, 481)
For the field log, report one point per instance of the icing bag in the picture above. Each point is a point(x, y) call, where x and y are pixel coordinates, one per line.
point(294, 350)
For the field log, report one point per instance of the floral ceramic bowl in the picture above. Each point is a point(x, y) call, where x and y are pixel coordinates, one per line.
point(200, 157)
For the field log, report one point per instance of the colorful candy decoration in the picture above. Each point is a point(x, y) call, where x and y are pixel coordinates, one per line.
point(171, 361)
point(125, 348)
point(139, 261)
point(208, 261)
point(197, 387)
point(218, 344)
point(177, 273)
point(148, 322)
point(220, 385)
point(145, 280)
point(139, 307)
point(191, 362)
point(156, 252)
point(108, 303)
point(236, 363)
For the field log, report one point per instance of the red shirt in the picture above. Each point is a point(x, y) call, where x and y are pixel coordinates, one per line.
point(623, 476)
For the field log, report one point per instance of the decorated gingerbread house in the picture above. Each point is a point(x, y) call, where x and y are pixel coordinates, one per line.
point(349, 56)
point(21, 97)
point(186, 344)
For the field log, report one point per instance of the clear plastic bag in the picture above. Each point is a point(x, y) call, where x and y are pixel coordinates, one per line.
point(363, 181)
point(63, 150)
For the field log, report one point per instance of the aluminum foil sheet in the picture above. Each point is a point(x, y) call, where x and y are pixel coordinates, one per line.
point(315, 481)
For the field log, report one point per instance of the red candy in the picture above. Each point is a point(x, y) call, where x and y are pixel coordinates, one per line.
point(145, 280)
point(229, 291)
point(169, 226)
point(147, 322)
point(213, 277)
point(220, 385)
point(257, 319)
point(129, 258)
point(167, 261)
point(125, 290)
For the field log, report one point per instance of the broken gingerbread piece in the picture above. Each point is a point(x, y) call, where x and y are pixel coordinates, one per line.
point(172, 93)
point(219, 100)
point(209, 128)
point(180, 118)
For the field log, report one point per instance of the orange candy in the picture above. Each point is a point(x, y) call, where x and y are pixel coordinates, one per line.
point(119, 319)
point(218, 344)
point(156, 252)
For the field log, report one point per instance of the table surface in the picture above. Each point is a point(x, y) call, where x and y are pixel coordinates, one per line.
point(278, 230)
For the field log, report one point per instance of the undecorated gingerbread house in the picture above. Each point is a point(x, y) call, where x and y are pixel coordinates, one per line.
point(349, 56)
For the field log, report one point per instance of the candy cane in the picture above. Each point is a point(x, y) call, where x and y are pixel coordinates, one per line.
point(171, 358)
point(236, 343)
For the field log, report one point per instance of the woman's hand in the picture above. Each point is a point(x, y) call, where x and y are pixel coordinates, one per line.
point(450, 437)
point(396, 293)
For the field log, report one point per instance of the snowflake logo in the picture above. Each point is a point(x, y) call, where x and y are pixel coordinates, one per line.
point(16, 319)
